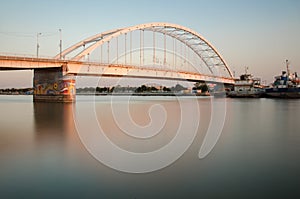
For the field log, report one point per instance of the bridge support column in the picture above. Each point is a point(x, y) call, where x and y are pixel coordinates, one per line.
point(51, 85)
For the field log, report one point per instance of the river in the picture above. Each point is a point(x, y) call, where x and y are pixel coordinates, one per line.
point(44, 151)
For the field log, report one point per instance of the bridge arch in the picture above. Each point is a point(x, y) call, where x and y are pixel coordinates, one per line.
point(196, 42)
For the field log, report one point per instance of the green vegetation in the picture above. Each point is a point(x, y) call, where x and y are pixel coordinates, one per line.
point(129, 89)
point(16, 91)
point(201, 86)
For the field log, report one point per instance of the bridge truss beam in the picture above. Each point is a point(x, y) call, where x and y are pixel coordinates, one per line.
point(194, 41)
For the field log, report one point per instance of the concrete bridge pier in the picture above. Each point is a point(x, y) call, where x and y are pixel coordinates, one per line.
point(53, 85)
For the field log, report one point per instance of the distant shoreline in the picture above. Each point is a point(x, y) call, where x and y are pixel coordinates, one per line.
point(123, 94)
point(143, 90)
point(139, 94)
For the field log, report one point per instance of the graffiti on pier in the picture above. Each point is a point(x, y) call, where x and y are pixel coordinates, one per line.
point(60, 87)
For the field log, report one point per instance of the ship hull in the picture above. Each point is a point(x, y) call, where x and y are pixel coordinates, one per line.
point(245, 95)
point(292, 93)
point(254, 93)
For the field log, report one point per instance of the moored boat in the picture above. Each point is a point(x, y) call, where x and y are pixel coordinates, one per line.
point(285, 86)
point(247, 87)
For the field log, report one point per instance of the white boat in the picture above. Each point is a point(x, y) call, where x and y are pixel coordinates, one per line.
point(247, 86)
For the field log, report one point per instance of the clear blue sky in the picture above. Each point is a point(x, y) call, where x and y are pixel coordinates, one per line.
point(258, 34)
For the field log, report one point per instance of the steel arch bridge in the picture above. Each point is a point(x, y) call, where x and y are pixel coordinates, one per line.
point(213, 61)
point(162, 51)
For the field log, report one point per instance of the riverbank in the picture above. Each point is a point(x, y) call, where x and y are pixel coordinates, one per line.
point(145, 94)
point(16, 91)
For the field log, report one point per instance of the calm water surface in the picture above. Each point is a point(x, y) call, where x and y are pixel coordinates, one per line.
point(257, 155)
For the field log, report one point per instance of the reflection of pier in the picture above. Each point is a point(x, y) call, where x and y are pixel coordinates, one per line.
point(159, 51)
point(53, 121)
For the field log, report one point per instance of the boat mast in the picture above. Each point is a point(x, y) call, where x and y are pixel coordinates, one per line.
point(246, 69)
point(288, 71)
point(287, 67)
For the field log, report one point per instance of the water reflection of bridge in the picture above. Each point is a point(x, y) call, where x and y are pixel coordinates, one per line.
point(153, 50)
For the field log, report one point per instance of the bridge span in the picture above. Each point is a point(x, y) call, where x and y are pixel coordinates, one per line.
point(82, 68)
point(175, 53)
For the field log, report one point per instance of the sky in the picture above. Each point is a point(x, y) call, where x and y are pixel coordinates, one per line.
point(258, 34)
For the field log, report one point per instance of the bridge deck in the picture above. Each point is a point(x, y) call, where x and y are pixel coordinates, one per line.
point(109, 70)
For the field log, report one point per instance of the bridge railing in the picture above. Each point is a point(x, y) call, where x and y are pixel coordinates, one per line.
point(10, 56)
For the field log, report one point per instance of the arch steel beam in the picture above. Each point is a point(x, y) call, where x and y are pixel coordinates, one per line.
point(91, 39)
point(185, 35)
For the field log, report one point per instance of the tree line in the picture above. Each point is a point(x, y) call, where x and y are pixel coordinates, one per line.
point(16, 91)
point(124, 89)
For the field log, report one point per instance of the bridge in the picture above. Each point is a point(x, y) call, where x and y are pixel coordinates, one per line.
point(152, 50)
